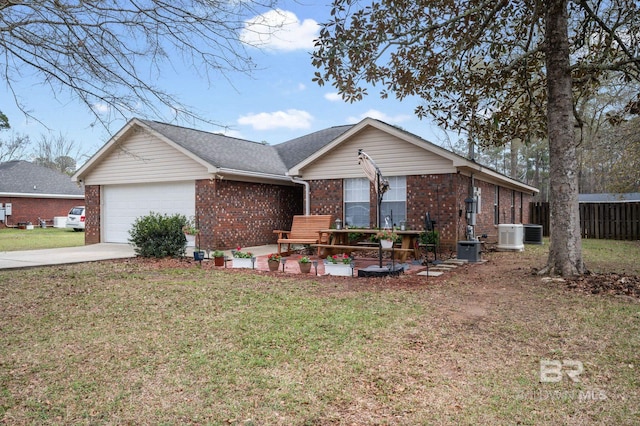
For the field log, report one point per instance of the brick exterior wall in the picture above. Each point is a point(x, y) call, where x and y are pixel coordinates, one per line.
point(30, 209)
point(92, 214)
point(441, 195)
point(232, 214)
point(326, 197)
point(240, 214)
point(513, 207)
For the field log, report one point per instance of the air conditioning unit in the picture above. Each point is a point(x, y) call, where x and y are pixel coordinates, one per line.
point(510, 237)
point(532, 234)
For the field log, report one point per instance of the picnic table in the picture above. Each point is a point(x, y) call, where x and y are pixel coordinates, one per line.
point(338, 242)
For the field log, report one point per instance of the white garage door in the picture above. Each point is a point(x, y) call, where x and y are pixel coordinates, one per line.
point(122, 204)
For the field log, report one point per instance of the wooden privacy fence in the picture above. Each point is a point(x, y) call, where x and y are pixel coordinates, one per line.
point(612, 221)
point(540, 216)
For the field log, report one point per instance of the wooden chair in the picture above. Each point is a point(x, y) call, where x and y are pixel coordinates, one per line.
point(304, 230)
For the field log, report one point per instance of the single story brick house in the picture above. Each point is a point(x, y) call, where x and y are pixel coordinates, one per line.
point(240, 191)
point(35, 192)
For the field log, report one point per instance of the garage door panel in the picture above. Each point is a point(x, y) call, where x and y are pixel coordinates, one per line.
point(123, 204)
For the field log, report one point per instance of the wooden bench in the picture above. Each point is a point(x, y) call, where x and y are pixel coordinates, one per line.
point(304, 230)
point(331, 249)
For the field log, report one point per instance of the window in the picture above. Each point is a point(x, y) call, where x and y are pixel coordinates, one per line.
point(356, 202)
point(395, 200)
point(496, 206)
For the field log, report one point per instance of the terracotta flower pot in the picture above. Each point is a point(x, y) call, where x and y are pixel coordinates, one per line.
point(305, 268)
point(273, 265)
point(218, 261)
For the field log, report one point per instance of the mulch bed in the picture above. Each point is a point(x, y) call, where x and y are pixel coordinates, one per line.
point(596, 284)
point(611, 283)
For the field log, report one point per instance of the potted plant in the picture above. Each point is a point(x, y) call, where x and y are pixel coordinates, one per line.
point(198, 254)
point(218, 258)
point(243, 259)
point(386, 237)
point(273, 260)
point(305, 264)
point(190, 230)
point(339, 264)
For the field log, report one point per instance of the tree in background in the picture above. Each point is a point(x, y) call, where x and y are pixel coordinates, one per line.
point(4, 122)
point(500, 70)
point(110, 52)
point(57, 153)
point(14, 148)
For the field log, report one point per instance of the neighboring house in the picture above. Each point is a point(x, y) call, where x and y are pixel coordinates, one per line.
point(36, 192)
point(240, 191)
point(627, 197)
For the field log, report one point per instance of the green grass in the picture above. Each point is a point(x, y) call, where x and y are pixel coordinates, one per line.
point(12, 239)
point(130, 343)
point(602, 255)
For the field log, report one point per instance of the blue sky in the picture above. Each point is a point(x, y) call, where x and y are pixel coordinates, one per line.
point(276, 103)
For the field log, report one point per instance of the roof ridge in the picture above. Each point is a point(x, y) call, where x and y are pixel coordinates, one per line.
point(208, 132)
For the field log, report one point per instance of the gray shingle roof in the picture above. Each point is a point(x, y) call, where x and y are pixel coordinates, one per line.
point(295, 150)
point(609, 198)
point(24, 177)
point(224, 151)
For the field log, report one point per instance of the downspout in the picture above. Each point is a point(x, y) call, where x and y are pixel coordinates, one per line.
point(307, 194)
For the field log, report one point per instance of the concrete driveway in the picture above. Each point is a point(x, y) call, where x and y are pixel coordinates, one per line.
point(58, 256)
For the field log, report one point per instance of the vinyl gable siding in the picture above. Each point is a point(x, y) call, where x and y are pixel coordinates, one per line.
point(394, 157)
point(141, 157)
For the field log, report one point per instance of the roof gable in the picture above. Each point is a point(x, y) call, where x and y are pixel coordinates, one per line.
point(219, 154)
point(242, 159)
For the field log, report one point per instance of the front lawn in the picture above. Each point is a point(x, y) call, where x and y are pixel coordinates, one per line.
point(133, 342)
point(13, 239)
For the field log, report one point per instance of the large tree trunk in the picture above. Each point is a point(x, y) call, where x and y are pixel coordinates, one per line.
point(565, 252)
point(513, 158)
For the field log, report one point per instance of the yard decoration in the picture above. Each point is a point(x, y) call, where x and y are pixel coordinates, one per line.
point(339, 265)
point(386, 237)
point(198, 254)
point(305, 265)
point(218, 258)
point(243, 259)
point(190, 227)
point(273, 260)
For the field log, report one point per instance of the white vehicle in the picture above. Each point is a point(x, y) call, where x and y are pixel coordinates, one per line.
point(75, 219)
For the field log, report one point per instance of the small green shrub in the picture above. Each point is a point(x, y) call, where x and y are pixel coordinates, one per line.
point(431, 237)
point(159, 235)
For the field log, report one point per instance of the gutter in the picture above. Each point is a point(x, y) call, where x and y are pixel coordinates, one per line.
point(307, 194)
point(251, 174)
point(39, 195)
point(307, 191)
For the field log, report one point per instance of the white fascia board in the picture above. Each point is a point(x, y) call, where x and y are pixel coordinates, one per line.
point(36, 195)
point(504, 180)
point(252, 176)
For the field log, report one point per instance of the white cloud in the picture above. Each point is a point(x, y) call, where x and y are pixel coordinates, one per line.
point(333, 97)
point(289, 119)
point(379, 115)
point(101, 108)
point(279, 30)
